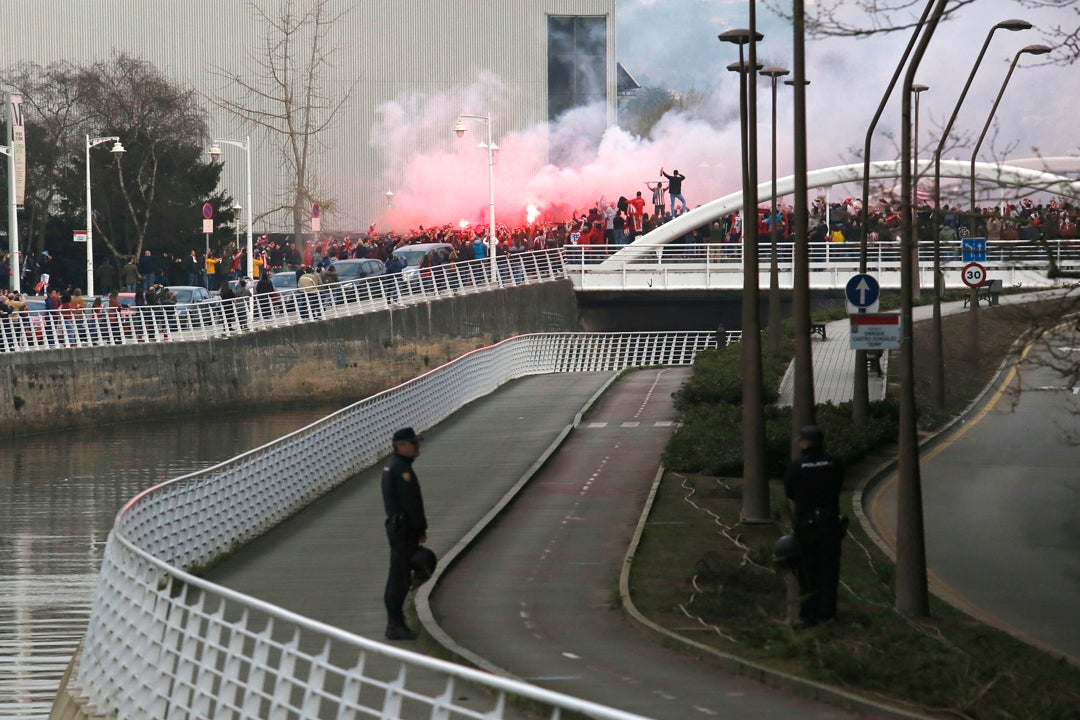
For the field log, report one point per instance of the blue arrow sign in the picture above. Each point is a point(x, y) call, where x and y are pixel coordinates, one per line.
point(862, 290)
point(973, 250)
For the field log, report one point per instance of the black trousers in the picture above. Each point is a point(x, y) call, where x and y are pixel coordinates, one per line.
point(403, 545)
point(819, 570)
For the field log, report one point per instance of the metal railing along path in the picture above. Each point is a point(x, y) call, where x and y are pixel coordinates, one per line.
point(100, 326)
point(719, 265)
point(164, 643)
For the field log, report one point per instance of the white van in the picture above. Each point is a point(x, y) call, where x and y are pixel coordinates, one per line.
point(413, 255)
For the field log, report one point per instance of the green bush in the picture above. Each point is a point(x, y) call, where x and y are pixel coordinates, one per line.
point(718, 376)
point(709, 440)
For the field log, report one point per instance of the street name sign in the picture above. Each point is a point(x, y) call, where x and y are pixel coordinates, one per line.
point(878, 331)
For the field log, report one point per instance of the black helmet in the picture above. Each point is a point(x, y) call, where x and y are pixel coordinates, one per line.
point(786, 552)
point(422, 563)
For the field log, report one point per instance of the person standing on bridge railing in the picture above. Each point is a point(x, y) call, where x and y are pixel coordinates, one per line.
point(406, 528)
point(675, 190)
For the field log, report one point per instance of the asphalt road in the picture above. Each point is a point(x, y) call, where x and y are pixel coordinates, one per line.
point(537, 594)
point(1000, 504)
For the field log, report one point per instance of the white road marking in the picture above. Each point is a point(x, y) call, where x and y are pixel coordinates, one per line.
point(571, 655)
point(598, 424)
point(630, 424)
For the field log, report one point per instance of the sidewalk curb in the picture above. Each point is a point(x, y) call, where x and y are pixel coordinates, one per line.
point(773, 678)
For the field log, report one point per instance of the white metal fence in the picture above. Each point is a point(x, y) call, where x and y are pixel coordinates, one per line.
point(163, 643)
point(596, 267)
point(719, 265)
point(90, 327)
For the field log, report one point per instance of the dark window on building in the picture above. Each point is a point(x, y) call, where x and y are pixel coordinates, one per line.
point(577, 62)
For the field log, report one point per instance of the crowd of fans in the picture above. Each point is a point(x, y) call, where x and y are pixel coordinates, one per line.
point(605, 223)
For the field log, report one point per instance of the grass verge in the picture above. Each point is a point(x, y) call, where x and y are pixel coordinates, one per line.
point(701, 574)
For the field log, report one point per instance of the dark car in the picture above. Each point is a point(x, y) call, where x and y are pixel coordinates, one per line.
point(283, 297)
point(358, 271)
point(194, 305)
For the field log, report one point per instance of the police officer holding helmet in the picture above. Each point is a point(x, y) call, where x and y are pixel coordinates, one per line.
point(406, 528)
point(813, 483)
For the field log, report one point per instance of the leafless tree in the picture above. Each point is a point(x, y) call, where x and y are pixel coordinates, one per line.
point(51, 96)
point(158, 120)
point(289, 95)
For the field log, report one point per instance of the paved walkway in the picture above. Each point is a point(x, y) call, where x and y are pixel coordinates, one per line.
point(834, 360)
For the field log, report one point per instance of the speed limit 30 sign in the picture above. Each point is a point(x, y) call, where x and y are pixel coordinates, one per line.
point(974, 275)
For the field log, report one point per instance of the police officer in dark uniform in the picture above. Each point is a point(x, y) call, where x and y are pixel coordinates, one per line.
point(406, 528)
point(813, 484)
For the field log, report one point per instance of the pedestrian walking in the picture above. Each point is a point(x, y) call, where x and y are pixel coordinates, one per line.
point(406, 528)
point(812, 484)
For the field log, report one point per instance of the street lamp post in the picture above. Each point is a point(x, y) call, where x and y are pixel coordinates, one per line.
point(773, 73)
point(117, 150)
point(911, 583)
point(215, 154)
point(861, 391)
point(938, 372)
point(916, 91)
point(802, 405)
point(491, 148)
point(755, 506)
point(1029, 50)
point(13, 217)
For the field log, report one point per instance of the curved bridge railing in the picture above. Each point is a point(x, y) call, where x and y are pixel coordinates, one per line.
point(162, 642)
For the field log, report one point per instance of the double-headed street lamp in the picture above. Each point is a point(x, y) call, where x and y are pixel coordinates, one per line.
point(755, 506)
point(215, 154)
point(1029, 50)
point(117, 150)
point(491, 148)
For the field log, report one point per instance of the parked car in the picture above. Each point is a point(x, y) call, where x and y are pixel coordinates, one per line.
point(360, 269)
point(284, 282)
point(195, 306)
point(414, 255)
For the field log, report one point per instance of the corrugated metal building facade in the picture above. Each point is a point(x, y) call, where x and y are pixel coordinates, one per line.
point(429, 55)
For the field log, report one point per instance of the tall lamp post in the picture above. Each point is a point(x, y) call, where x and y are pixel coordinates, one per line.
point(861, 392)
point(215, 154)
point(491, 148)
point(1029, 50)
point(802, 405)
point(938, 372)
point(773, 73)
point(13, 217)
point(755, 506)
point(117, 150)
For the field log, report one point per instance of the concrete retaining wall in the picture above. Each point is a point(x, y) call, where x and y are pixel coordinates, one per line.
point(336, 360)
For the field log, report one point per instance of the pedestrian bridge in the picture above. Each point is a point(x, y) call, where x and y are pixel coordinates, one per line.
point(720, 266)
point(660, 261)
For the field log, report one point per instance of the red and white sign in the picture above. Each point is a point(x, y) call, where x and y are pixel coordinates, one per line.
point(974, 275)
point(875, 331)
point(79, 236)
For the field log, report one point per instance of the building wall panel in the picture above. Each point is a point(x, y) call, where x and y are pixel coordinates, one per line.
point(387, 49)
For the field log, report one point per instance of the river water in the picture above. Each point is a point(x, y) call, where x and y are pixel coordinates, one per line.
point(59, 495)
